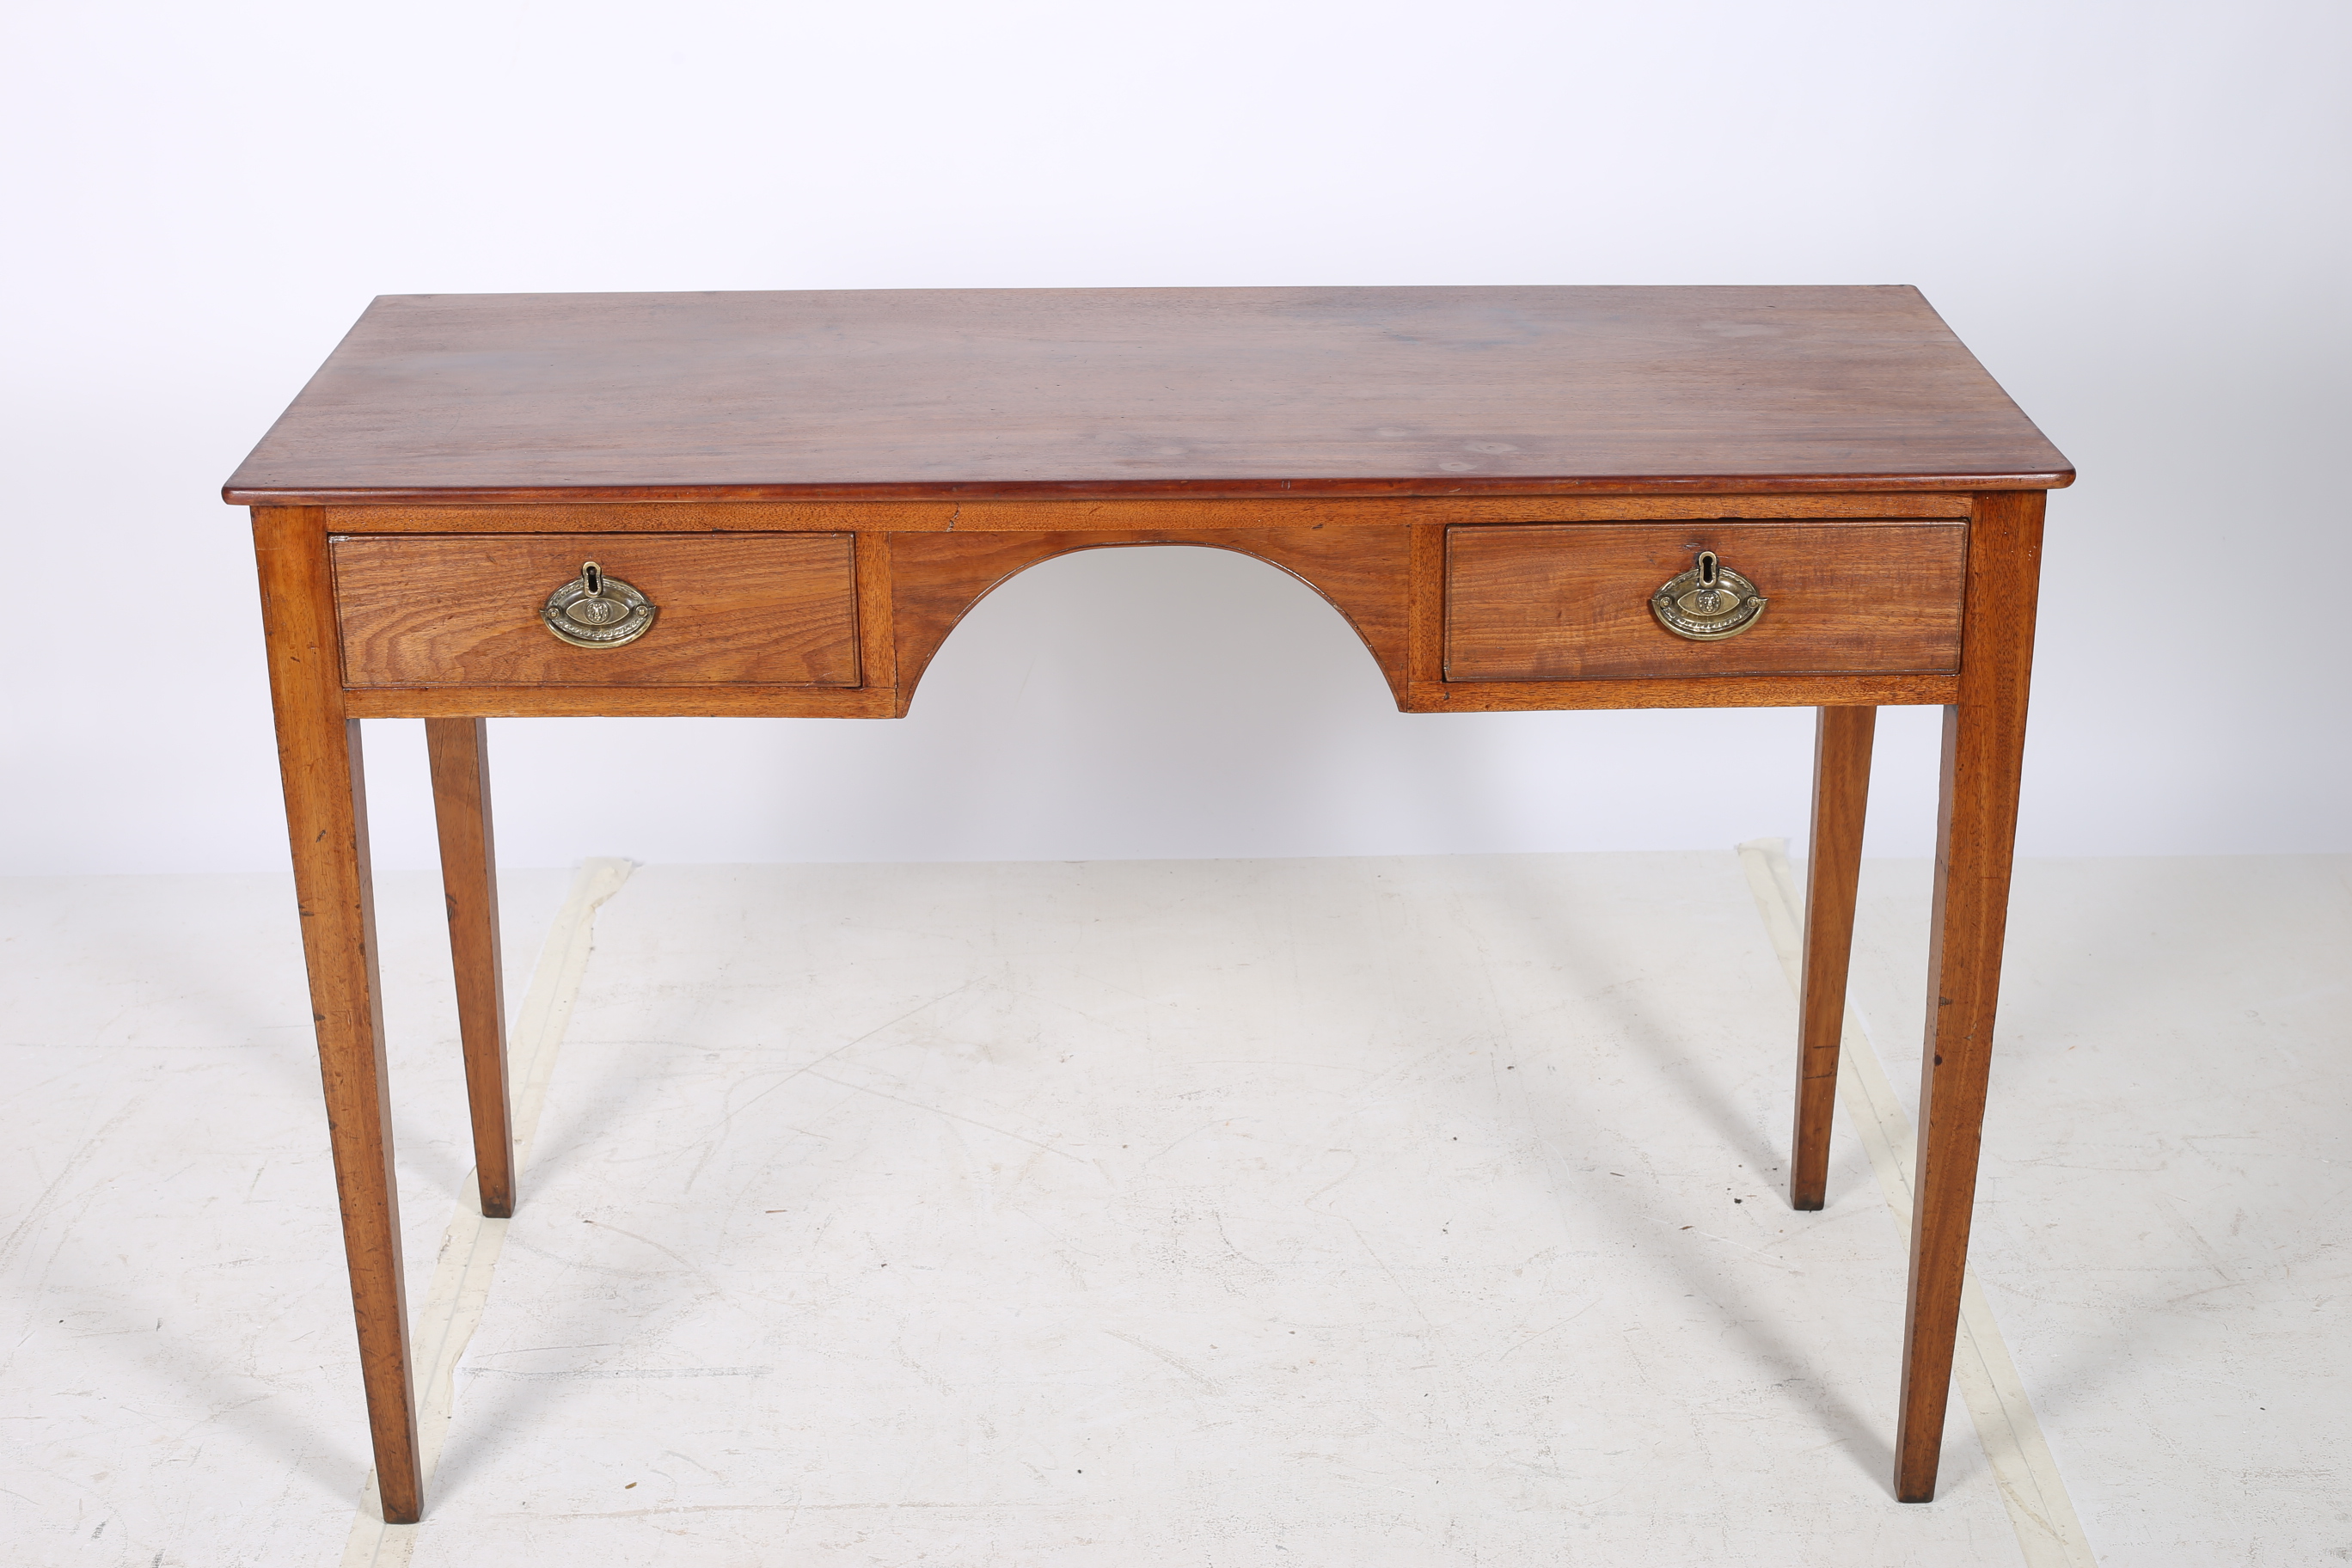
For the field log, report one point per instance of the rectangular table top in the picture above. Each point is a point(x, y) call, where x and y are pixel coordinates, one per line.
point(497, 398)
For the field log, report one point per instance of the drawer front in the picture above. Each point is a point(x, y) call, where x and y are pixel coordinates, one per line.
point(773, 609)
point(1571, 600)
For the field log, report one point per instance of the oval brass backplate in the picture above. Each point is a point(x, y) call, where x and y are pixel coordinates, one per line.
point(1707, 602)
point(596, 611)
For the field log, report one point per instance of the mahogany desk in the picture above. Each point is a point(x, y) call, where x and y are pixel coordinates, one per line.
point(1520, 497)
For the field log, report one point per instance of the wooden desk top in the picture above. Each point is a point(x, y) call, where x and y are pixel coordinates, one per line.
point(497, 398)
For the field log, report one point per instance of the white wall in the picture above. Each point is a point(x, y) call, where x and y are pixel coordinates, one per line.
point(2133, 212)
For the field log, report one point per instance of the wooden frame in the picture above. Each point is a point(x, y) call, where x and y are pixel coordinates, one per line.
point(1373, 544)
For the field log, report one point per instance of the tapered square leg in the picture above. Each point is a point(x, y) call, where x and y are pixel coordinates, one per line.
point(1841, 740)
point(326, 818)
point(1984, 744)
point(469, 883)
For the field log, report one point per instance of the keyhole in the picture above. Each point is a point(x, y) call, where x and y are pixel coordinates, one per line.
point(1706, 569)
point(593, 578)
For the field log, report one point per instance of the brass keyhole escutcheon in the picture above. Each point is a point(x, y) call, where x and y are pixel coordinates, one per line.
point(596, 611)
point(1707, 602)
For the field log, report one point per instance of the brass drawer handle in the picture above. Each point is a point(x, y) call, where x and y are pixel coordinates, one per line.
point(596, 611)
point(1707, 602)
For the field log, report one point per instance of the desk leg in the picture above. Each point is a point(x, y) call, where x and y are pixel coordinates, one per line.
point(1984, 743)
point(326, 819)
point(1841, 793)
point(469, 882)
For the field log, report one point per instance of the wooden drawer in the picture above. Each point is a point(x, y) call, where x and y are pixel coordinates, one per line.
point(769, 609)
point(1571, 600)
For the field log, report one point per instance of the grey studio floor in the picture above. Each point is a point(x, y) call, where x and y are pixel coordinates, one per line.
point(1338, 1212)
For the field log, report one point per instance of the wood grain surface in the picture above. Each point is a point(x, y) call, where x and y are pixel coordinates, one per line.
point(940, 577)
point(1976, 836)
point(459, 753)
point(1678, 691)
point(815, 487)
point(969, 392)
point(711, 699)
point(877, 646)
point(1841, 746)
point(1571, 602)
point(1063, 514)
point(463, 610)
point(1424, 642)
point(326, 824)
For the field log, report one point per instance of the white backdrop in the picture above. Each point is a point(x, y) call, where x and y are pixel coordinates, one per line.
point(2133, 212)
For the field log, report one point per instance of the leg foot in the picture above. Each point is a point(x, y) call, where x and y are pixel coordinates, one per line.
point(1841, 793)
point(326, 817)
point(469, 880)
point(1984, 744)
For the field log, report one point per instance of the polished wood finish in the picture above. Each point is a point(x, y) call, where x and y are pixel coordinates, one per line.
point(1841, 737)
point(1426, 621)
point(877, 703)
point(1684, 691)
point(816, 488)
point(916, 394)
point(326, 821)
point(463, 610)
point(1056, 515)
point(1572, 602)
point(878, 646)
point(940, 577)
point(715, 702)
point(1976, 831)
point(459, 752)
